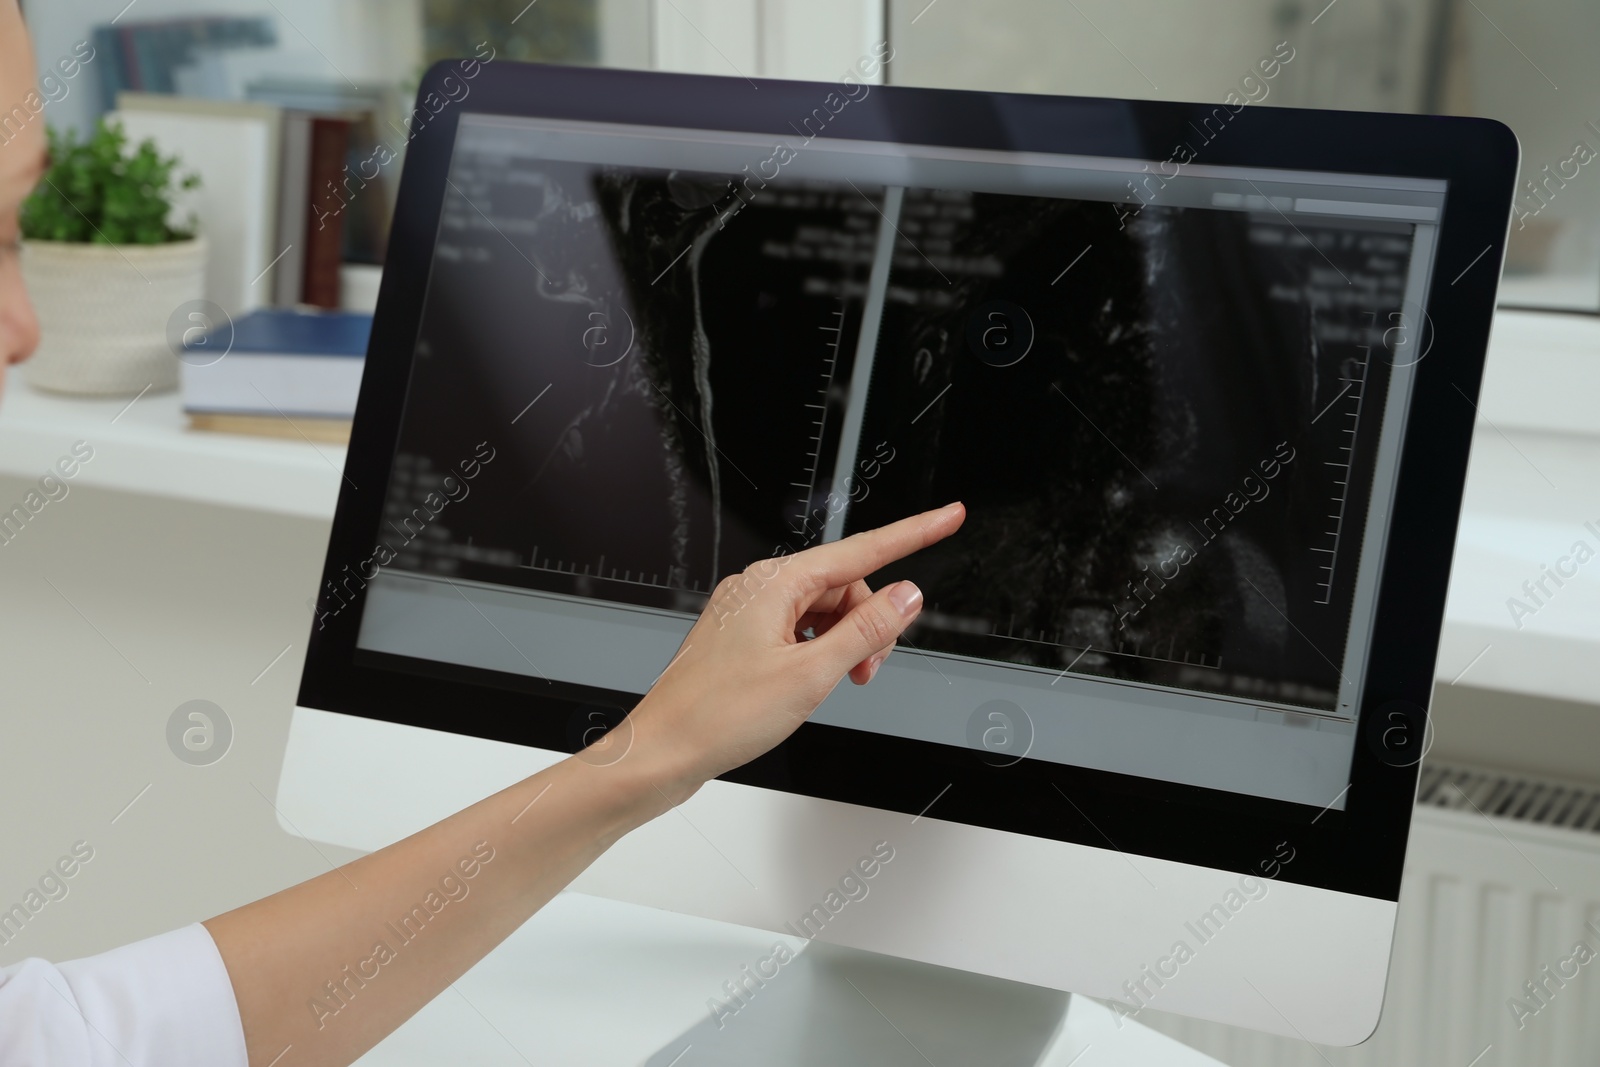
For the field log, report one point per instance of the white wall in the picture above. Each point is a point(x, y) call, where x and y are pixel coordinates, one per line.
point(1509, 66)
point(180, 601)
point(817, 40)
point(1151, 49)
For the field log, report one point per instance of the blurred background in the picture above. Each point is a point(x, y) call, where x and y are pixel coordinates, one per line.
point(181, 564)
point(1528, 65)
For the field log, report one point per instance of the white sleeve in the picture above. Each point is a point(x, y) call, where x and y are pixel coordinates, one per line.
point(163, 1001)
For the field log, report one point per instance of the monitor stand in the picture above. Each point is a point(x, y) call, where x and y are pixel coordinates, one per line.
point(833, 1005)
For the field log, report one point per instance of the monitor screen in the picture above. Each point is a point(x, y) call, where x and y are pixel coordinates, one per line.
point(1170, 394)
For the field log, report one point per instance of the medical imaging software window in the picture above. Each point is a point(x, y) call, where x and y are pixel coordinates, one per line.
point(1171, 403)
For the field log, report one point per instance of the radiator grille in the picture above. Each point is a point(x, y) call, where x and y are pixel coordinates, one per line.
point(1502, 878)
point(1510, 796)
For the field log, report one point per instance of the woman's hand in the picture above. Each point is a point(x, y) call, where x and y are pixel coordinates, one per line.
point(747, 675)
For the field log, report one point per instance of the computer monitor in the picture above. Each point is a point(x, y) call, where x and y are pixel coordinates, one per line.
point(1203, 376)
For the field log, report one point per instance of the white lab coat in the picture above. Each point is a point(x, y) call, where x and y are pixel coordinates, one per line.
point(163, 1002)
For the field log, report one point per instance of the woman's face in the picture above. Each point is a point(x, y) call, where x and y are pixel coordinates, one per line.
point(22, 158)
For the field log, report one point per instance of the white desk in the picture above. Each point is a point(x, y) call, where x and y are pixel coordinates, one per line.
point(592, 981)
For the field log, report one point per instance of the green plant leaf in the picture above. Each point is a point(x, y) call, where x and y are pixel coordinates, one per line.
point(99, 191)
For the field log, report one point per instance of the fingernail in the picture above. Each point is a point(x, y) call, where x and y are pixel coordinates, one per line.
point(906, 598)
point(873, 664)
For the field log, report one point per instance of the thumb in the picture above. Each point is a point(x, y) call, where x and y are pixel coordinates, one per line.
point(869, 628)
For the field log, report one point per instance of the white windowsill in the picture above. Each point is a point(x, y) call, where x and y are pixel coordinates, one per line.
point(148, 448)
point(1533, 483)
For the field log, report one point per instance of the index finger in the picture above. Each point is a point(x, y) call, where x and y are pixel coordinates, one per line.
point(842, 562)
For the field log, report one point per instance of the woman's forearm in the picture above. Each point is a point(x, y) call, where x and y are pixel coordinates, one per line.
point(328, 968)
point(332, 965)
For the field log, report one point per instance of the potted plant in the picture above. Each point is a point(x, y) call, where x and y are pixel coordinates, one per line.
point(105, 265)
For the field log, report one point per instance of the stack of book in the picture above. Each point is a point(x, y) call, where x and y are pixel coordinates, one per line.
point(328, 160)
point(278, 372)
point(298, 176)
point(336, 186)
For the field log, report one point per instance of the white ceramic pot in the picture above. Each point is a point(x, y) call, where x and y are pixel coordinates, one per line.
point(103, 312)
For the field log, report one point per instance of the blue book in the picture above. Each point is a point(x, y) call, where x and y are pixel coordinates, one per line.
point(277, 361)
point(146, 56)
point(113, 71)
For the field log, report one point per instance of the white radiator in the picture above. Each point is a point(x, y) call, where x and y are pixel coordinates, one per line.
point(1502, 881)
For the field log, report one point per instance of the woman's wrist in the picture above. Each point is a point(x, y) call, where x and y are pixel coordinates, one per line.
point(642, 768)
point(673, 766)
